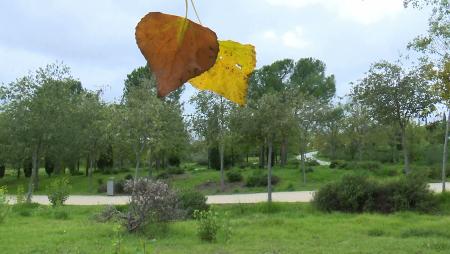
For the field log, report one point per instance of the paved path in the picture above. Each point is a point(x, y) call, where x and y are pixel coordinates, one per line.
point(312, 156)
point(287, 197)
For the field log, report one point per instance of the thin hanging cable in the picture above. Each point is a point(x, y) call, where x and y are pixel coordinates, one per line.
point(196, 13)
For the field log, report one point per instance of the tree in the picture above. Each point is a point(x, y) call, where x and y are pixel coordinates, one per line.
point(93, 133)
point(307, 111)
point(29, 106)
point(141, 122)
point(270, 114)
point(437, 44)
point(211, 121)
point(309, 78)
point(393, 95)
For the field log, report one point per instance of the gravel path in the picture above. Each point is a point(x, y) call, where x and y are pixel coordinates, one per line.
point(287, 197)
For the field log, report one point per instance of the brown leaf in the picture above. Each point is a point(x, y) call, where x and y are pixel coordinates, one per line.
point(176, 49)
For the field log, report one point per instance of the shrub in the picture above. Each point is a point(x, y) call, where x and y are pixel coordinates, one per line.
point(151, 201)
point(58, 191)
point(207, 225)
point(176, 171)
point(260, 180)
point(27, 168)
point(337, 164)
point(234, 176)
point(359, 194)
point(312, 163)
point(174, 161)
point(2, 170)
point(191, 201)
point(107, 214)
point(20, 195)
point(163, 175)
point(49, 167)
point(128, 177)
point(5, 208)
point(368, 165)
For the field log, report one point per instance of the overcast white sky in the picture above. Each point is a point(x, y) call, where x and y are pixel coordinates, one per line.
point(96, 37)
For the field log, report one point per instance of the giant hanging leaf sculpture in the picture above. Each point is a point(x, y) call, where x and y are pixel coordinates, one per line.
point(179, 50)
point(175, 48)
point(229, 76)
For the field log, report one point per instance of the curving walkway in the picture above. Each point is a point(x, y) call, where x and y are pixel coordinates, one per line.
point(286, 197)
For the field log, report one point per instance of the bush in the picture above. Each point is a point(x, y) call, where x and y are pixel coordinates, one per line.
point(260, 180)
point(312, 163)
point(368, 165)
point(2, 170)
point(5, 208)
point(27, 168)
point(20, 195)
point(163, 175)
point(174, 161)
point(58, 191)
point(234, 177)
point(49, 167)
point(337, 164)
point(151, 201)
point(359, 194)
point(207, 225)
point(176, 171)
point(191, 201)
point(128, 177)
point(109, 213)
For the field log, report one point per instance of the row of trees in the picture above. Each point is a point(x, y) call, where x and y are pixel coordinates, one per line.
point(48, 118)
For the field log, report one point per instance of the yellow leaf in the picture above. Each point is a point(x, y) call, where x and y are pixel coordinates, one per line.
point(229, 76)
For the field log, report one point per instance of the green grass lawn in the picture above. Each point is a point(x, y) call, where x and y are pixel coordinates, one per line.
point(208, 181)
point(287, 228)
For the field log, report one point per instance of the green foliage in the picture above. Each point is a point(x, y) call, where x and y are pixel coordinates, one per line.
point(49, 167)
point(359, 194)
point(191, 201)
point(260, 180)
point(2, 170)
point(234, 176)
point(5, 208)
point(20, 195)
point(207, 225)
point(58, 191)
point(27, 167)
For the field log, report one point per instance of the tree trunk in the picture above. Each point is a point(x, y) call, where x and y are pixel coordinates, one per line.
point(18, 173)
point(34, 180)
point(261, 156)
point(405, 150)
point(136, 170)
point(269, 175)
point(444, 157)
point(150, 162)
point(209, 158)
point(283, 152)
point(88, 161)
point(90, 170)
point(222, 175)
point(302, 157)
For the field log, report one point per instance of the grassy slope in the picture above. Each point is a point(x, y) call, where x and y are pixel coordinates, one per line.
point(291, 228)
